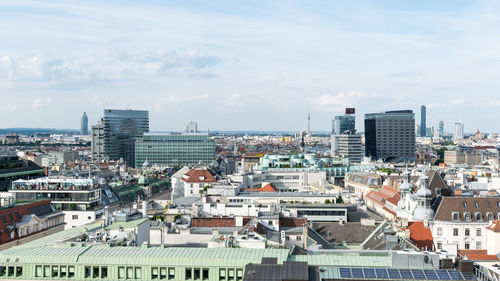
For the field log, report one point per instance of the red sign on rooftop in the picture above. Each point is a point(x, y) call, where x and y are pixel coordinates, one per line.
point(350, 110)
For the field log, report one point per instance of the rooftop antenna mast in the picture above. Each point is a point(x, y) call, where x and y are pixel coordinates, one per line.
point(309, 124)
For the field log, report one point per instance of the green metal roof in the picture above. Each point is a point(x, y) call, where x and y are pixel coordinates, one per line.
point(339, 258)
point(127, 224)
point(22, 173)
point(50, 239)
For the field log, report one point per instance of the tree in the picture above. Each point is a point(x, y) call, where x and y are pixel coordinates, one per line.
point(340, 200)
point(327, 201)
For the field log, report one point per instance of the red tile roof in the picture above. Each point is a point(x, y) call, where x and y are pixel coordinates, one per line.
point(420, 235)
point(482, 257)
point(384, 194)
point(10, 216)
point(268, 188)
point(390, 211)
point(292, 222)
point(198, 175)
point(464, 252)
point(216, 222)
point(495, 226)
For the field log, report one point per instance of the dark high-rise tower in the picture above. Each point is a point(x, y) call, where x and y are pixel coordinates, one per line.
point(423, 121)
point(121, 128)
point(390, 136)
point(84, 125)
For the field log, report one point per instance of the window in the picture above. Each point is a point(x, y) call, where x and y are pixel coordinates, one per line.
point(46, 271)
point(95, 272)
point(62, 272)
point(2, 270)
point(440, 245)
point(467, 232)
point(465, 204)
point(104, 272)
point(455, 232)
point(188, 274)
point(38, 271)
point(467, 245)
point(55, 271)
point(222, 274)
point(87, 272)
point(10, 271)
point(478, 231)
point(204, 275)
point(478, 245)
point(19, 271)
point(487, 203)
point(196, 274)
point(239, 274)
point(230, 274)
point(71, 271)
point(455, 216)
point(138, 271)
point(74, 217)
point(440, 231)
point(479, 217)
point(154, 273)
point(467, 216)
point(121, 272)
point(171, 273)
point(476, 205)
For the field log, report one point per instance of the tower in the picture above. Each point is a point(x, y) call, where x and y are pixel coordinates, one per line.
point(84, 125)
point(309, 124)
point(424, 211)
point(404, 190)
point(423, 121)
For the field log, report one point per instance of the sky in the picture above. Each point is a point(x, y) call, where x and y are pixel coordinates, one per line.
point(249, 65)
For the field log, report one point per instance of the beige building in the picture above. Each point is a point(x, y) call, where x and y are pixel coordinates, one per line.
point(462, 157)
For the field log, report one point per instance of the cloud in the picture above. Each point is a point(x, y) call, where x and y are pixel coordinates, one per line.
point(108, 68)
point(337, 102)
point(40, 102)
point(163, 102)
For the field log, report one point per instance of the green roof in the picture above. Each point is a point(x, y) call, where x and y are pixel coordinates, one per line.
point(50, 239)
point(37, 171)
point(127, 224)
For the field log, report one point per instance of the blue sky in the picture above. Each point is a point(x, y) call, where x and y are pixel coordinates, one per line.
point(248, 65)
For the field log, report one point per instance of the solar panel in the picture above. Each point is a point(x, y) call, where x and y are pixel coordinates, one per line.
point(381, 273)
point(431, 275)
point(345, 272)
point(357, 273)
point(455, 275)
point(468, 276)
point(393, 273)
point(418, 274)
point(406, 274)
point(369, 273)
point(443, 275)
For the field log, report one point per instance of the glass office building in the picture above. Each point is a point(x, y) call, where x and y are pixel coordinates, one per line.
point(168, 149)
point(121, 128)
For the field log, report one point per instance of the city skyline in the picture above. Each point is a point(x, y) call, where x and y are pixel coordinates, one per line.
point(221, 63)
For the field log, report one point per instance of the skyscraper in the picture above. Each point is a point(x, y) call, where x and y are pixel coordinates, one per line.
point(121, 128)
point(423, 121)
point(192, 127)
point(344, 124)
point(84, 125)
point(391, 135)
point(97, 142)
point(459, 131)
point(441, 128)
point(345, 143)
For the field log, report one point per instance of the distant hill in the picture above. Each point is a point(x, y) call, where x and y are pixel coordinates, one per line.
point(33, 131)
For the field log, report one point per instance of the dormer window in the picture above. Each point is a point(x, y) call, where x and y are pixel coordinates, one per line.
point(489, 216)
point(487, 203)
point(202, 178)
point(455, 216)
point(465, 204)
point(476, 205)
point(479, 216)
point(467, 216)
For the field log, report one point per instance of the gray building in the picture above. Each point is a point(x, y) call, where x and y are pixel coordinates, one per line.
point(121, 128)
point(390, 136)
point(423, 121)
point(349, 146)
point(97, 143)
point(84, 124)
point(192, 127)
point(441, 128)
point(343, 124)
point(168, 149)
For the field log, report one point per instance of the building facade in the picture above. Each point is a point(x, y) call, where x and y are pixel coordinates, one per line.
point(423, 121)
point(121, 128)
point(97, 143)
point(441, 129)
point(192, 127)
point(390, 136)
point(344, 125)
point(14, 168)
point(84, 124)
point(168, 149)
point(459, 131)
point(349, 147)
point(457, 157)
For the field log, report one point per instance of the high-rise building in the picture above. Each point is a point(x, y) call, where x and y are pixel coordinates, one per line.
point(459, 131)
point(345, 124)
point(97, 142)
point(349, 146)
point(121, 128)
point(441, 128)
point(423, 121)
point(168, 149)
point(84, 125)
point(390, 136)
point(192, 127)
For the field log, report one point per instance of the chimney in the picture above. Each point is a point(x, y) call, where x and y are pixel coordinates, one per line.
point(144, 208)
point(106, 216)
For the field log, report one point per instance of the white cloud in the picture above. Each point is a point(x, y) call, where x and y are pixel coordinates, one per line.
point(40, 102)
point(337, 102)
point(163, 102)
